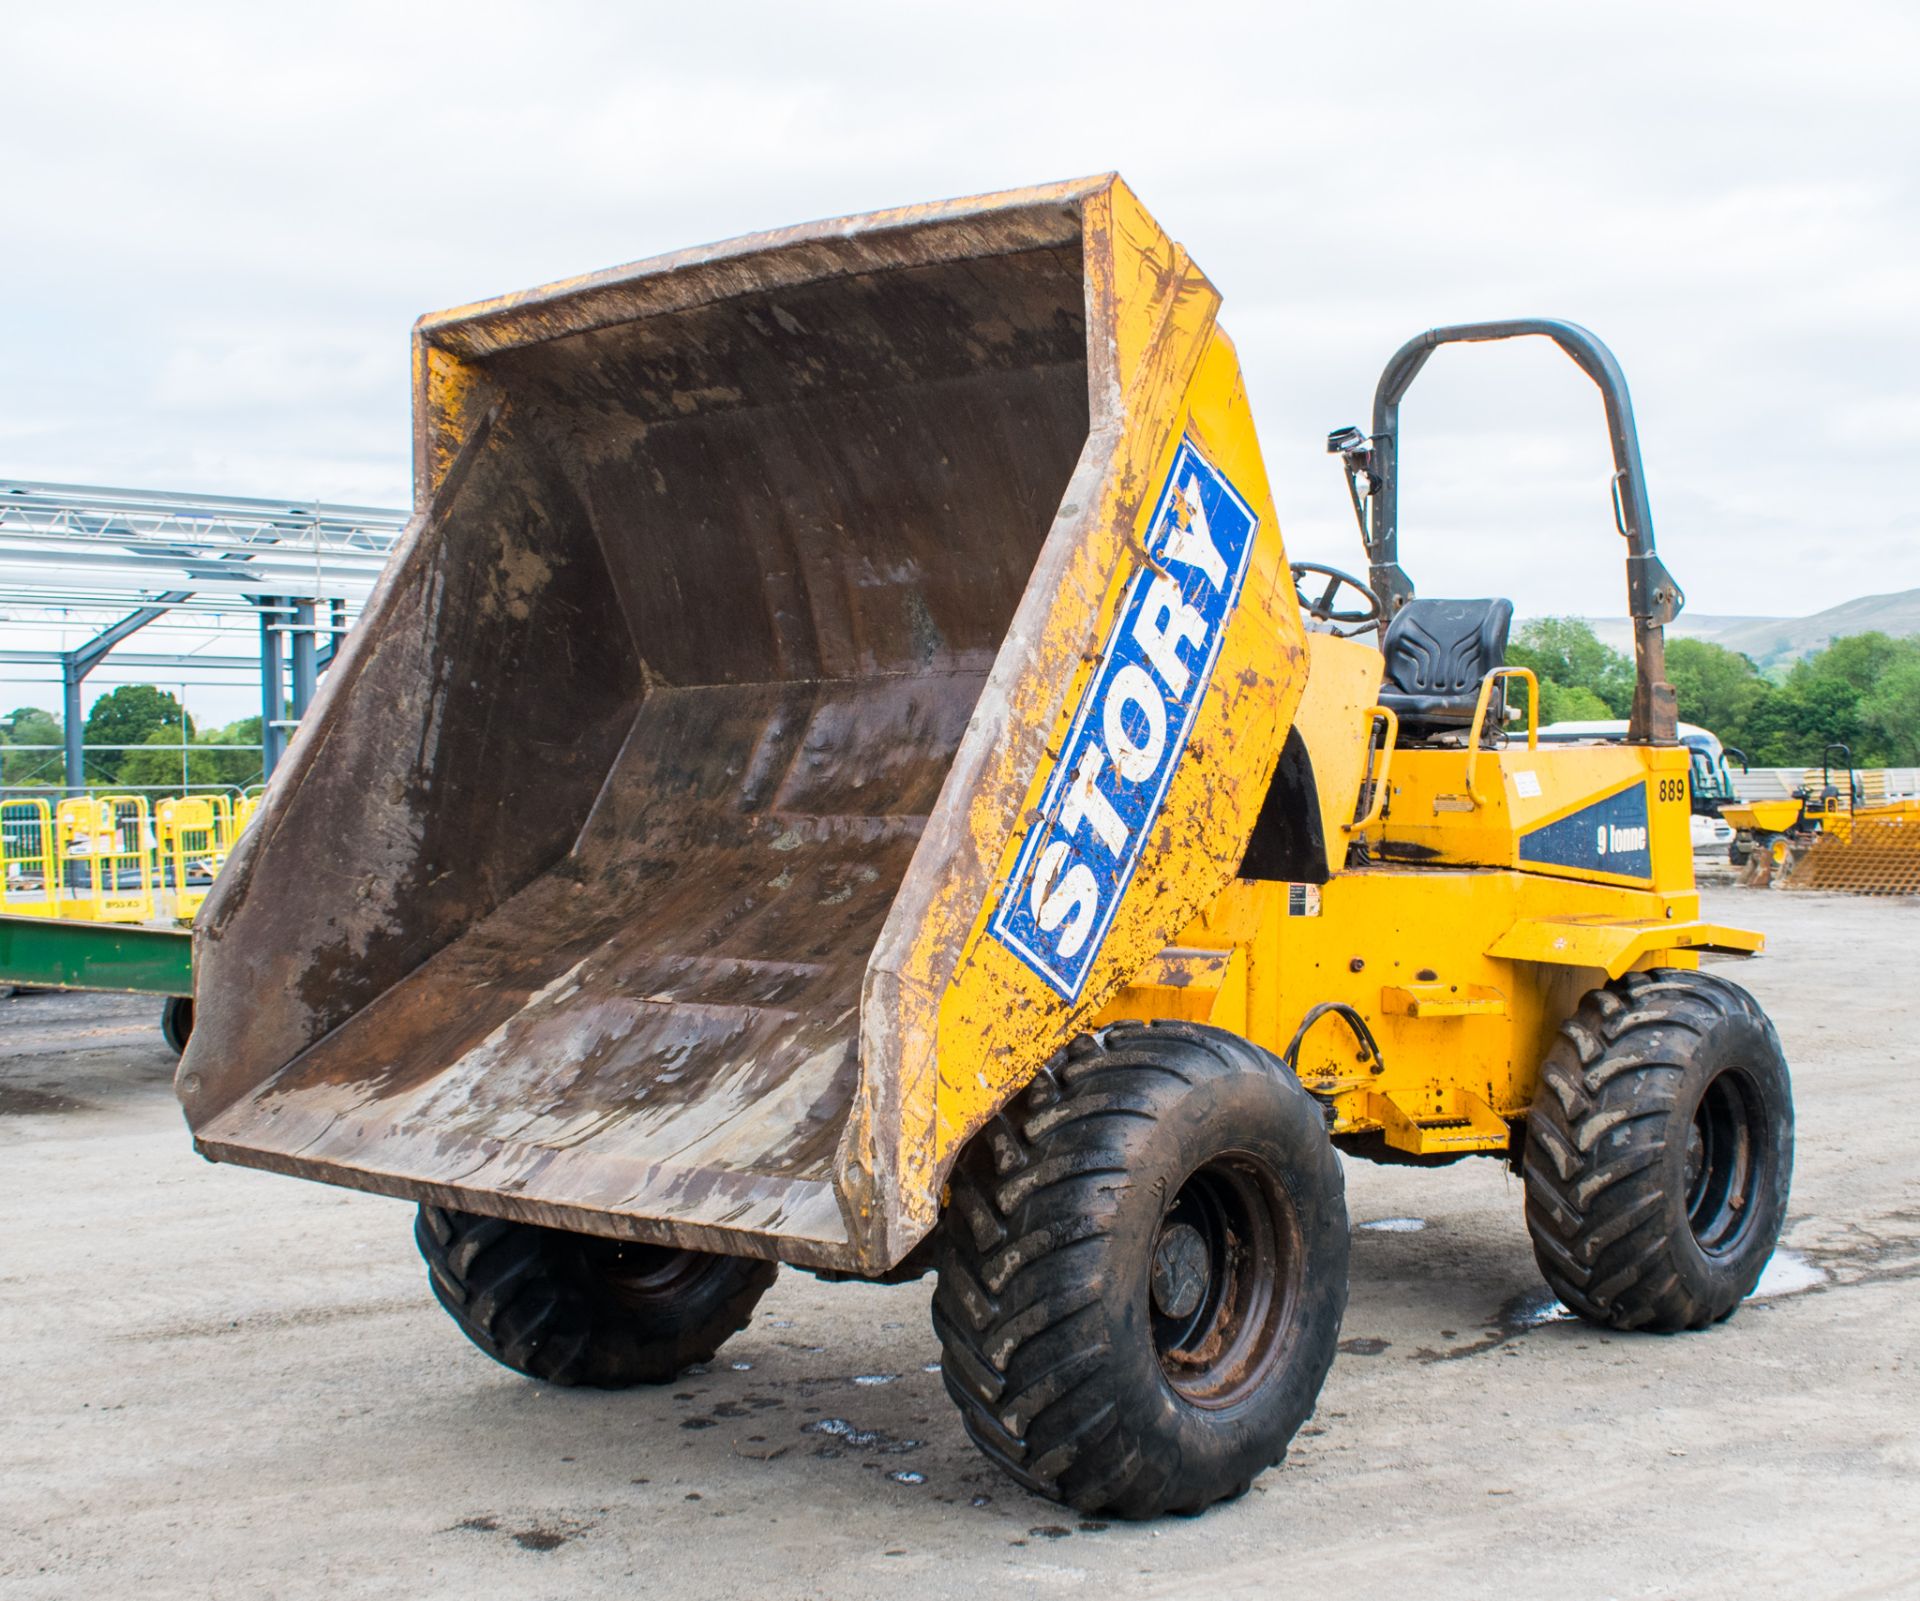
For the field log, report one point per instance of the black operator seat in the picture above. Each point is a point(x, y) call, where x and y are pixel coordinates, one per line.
point(1437, 652)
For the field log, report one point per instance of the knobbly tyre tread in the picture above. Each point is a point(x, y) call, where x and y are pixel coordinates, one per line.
point(527, 1296)
point(1025, 1261)
point(1609, 1231)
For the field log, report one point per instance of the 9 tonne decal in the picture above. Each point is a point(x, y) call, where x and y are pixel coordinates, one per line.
point(1609, 836)
point(1130, 728)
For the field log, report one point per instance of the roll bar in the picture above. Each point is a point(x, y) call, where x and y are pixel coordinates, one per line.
point(1653, 598)
point(1855, 791)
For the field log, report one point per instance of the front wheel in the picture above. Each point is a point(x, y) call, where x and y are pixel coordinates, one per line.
point(1659, 1152)
point(580, 1309)
point(1143, 1266)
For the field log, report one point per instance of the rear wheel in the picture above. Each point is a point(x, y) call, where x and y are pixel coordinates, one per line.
point(176, 1021)
point(579, 1309)
point(1143, 1267)
point(1659, 1152)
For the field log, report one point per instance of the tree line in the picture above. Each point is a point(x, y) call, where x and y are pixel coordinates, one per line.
point(139, 715)
point(1862, 691)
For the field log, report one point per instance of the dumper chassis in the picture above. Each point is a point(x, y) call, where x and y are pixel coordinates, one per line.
point(841, 771)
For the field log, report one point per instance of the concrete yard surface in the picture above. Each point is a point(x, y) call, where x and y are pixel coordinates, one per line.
point(220, 1383)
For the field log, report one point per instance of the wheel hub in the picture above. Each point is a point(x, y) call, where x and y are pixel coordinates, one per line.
point(1223, 1281)
point(1181, 1271)
point(1723, 1162)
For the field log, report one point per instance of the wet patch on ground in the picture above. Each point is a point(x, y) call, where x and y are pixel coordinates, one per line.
point(901, 1430)
point(539, 1536)
point(68, 1052)
point(857, 1439)
point(1886, 1251)
point(542, 1539)
point(1789, 1273)
point(26, 1100)
point(261, 1322)
point(1863, 1257)
point(1518, 1315)
point(831, 1435)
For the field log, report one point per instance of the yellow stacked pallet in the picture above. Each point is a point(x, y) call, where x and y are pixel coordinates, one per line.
point(1879, 854)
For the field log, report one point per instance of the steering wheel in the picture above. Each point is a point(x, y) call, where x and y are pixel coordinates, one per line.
point(1323, 610)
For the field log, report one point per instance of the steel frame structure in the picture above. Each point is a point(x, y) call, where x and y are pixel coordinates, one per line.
point(116, 560)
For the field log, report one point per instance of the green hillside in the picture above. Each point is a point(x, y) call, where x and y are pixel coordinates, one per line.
point(1777, 642)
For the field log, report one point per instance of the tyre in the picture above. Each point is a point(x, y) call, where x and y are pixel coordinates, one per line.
point(1143, 1266)
point(579, 1309)
point(1737, 853)
point(1659, 1152)
point(176, 1021)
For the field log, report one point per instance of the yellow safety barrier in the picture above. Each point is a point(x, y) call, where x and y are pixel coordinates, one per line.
point(104, 858)
point(223, 825)
point(195, 834)
point(112, 858)
point(31, 885)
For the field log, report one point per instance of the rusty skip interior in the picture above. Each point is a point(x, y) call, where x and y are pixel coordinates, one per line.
point(634, 750)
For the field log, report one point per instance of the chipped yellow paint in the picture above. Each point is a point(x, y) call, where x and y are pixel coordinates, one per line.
point(990, 1014)
point(1615, 945)
point(1335, 720)
point(1418, 953)
point(446, 409)
point(1442, 1000)
point(1432, 815)
point(1189, 984)
point(1463, 965)
point(1159, 369)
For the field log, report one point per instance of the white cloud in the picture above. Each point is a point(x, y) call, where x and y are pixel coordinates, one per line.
point(221, 220)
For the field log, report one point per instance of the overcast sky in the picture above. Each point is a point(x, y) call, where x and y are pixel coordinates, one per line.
point(223, 219)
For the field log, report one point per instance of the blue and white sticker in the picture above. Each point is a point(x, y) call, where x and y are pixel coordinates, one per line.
point(1608, 836)
point(1130, 728)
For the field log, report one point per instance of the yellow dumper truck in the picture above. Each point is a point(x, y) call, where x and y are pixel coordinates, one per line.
point(1825, 837)
point(841, 771)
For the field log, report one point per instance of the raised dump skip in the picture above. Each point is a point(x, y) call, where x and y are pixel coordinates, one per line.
point(565, 905)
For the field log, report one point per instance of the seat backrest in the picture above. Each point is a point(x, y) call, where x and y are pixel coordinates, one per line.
point(1437, 652)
